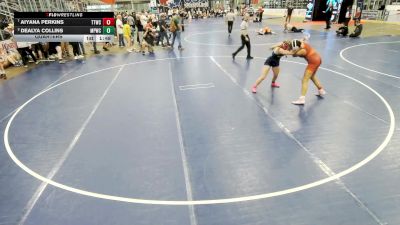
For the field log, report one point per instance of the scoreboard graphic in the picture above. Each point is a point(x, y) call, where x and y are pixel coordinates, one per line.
point(64, 26)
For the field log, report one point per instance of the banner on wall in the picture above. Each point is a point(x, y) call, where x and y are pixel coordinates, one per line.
point(9, 46)
point(196, 3)
point(174, 3)
point(309, 11)
point(153, 3)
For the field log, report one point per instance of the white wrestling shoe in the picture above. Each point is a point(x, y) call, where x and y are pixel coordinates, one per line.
point(300, 101)
point(321, 92)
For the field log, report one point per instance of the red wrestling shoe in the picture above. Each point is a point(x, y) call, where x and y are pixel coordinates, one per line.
point(254, 89)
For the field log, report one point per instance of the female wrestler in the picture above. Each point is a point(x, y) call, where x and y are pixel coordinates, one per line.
point(279, 50)
point(290, 28)
point(265, 30)
point(304, 50)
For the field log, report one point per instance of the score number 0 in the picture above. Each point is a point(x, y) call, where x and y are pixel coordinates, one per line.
point(108, 22)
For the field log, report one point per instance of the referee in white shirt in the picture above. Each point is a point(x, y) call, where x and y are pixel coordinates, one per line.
point(230, 17)
point(245, 37)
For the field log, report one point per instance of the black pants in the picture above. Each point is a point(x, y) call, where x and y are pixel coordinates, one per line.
point(24, 53)
point(230, 25)
point(328, 19)
point(39, 47)
point(244, 42)
point(295, 30)
point(346, 22)
point(82, 48)
point(75, 48)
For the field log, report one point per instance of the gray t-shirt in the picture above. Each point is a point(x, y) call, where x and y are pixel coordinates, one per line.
point(131, 21)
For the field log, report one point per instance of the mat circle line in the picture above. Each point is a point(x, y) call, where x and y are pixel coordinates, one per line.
point(186, 38)
point(375, 153)
point(365, 68)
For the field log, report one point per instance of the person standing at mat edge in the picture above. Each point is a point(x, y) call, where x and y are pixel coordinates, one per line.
point(289, 12)
point(245, 37)
point(304, 50)
point(175, 28)
point(230, 17)
point(328, 13)
point(120, 31)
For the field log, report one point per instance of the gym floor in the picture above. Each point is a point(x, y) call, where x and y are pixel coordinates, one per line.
point(178, 138)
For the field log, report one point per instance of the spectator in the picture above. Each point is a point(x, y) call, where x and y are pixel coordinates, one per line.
point(3, 59)
point(4, 35)
point(289, 12)
point(170, 12)
point(148, 37)
point(65, 49)
point(10, 29)
point(163, 30)
point(230, 18)
point(144, 18)
point(120, 31)
point(357, 15)
point(328, 13)
point(175, 28)
point(260, 14)
point(131, 21)
point(7, 33)
point(76, 50)
point(357, 30)
point(13, 57)
point(38, 49)
point(127, 35)
point(55, 48)
point(139, 28)
point(82, 48)
point(95, 48)
point(347, 16)
point(24, 49)
point(182, 15)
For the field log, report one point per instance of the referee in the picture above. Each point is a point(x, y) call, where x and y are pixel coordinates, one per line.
point(230, 17)
point(244, 26)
